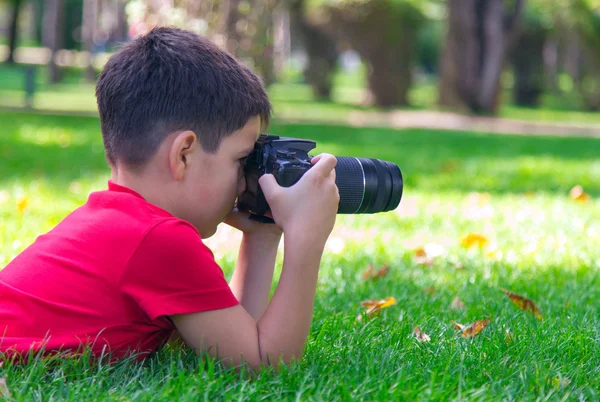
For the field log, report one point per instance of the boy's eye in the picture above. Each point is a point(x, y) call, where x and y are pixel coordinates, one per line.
point(243, 160)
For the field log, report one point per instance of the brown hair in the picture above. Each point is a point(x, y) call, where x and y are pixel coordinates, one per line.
point(169, 80)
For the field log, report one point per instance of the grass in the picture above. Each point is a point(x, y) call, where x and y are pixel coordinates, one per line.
point(542, 244)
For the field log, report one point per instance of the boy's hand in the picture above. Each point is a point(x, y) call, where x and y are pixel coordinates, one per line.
point(309, 206)
point(240, 220)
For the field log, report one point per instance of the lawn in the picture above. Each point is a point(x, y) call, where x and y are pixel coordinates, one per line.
point(512, 190)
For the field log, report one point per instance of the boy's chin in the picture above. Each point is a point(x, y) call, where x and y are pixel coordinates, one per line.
point(208, 232)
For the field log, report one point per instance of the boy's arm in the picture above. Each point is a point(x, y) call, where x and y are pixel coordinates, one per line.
point(232, 333)
point(253, 275)
point(306, 214)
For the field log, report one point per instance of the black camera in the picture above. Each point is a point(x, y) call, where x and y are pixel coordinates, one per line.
point(365, 185)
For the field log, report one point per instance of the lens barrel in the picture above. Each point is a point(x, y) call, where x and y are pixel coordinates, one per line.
point(367, 186)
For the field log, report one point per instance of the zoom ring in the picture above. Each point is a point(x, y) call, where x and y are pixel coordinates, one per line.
point(349, 178)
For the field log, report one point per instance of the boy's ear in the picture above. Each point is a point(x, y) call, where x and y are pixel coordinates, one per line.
point(181, 150)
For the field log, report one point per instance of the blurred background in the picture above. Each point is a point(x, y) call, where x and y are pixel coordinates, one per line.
point(431, 85)
point(526, 60)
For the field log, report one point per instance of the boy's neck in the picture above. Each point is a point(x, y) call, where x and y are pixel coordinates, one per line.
point(144, 186)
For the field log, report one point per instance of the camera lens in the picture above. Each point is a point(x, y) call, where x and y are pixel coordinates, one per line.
point(367, 186)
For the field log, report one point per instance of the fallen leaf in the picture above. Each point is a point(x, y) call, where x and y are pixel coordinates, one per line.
point(430, 290)
point(22, 204)
point(469, 331)
point(559, 383)
point(371, 272)
point(449, 166)
point(374, 306)
point(457, 304)
point(474, 240)
point(421, 336)
point(523, 303)
point(425, 255)
point(578, 194)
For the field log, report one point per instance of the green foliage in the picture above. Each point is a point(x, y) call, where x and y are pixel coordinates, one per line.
point(549, 253)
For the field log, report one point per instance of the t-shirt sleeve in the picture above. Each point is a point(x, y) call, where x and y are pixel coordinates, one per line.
point(174, 272)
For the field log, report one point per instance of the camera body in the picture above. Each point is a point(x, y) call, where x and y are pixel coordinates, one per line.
point(285, 158)
point(365, 185)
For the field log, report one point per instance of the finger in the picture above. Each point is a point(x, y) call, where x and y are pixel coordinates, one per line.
point(324, 164)
point(268, 184)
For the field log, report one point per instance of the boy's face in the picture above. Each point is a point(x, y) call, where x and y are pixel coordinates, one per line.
point(215, 181)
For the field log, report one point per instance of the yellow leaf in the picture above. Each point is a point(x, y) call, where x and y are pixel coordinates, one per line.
point(523, 303)
point(578, 194)
point(22, 204)
point(508, 336)
point(457, 304)
point(469, 331)
point(474, 239)
point(421, 336)
point(374, 306)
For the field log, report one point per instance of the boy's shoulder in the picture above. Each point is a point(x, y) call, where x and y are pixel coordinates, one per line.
point(105, 232)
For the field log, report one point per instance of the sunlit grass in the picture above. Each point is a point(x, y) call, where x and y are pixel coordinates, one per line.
point(541, 243)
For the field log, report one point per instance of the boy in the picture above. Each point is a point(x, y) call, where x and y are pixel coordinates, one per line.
point(128, 269)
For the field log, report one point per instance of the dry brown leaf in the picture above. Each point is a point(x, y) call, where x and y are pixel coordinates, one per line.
point(457, 304)
point(449, 166)
point(421, 336)
point(474, 240)
point(371, 272)
point(469, 331)
point(578, 194)
point(374, 306)
point(430, 290)
point(523, 303)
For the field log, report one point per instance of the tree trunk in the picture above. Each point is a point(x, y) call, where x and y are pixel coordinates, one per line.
point(528, 63)
point(53, 25)
point(479, 35)
point(383, 33)
point(122, 28)
point(320, 49)
point(13, 31)
point(90, 17)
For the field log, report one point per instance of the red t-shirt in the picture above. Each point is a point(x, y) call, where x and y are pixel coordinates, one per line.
point(108, 276)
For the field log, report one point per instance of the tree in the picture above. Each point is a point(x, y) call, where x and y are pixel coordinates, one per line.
point(249, 34)
point(13, 31)
point(480, 33)
point(527, 58)
point(320, 47)
point(384, 33)
point(90, 17)
point(53, 34)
